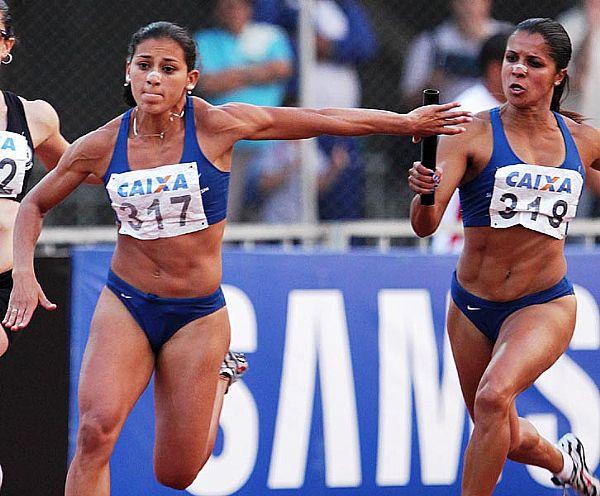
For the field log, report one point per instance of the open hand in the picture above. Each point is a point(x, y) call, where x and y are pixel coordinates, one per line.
point(25, 296)
point(438, 119)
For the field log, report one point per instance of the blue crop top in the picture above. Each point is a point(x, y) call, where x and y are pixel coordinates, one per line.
point(476, 195)
point(214, 183)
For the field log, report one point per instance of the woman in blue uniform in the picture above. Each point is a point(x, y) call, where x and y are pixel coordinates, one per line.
point(520, 170)
point(27, 127)
point(165, 164)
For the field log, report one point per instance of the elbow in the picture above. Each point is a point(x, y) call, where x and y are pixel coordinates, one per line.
point(31, 208)
point(421, 231)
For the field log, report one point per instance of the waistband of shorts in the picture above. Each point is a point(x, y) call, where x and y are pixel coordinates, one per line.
point(113, 281)
point(561, 288)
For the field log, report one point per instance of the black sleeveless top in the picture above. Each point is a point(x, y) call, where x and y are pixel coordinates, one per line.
point(16, 122)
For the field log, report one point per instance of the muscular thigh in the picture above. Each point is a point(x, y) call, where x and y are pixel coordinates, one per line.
point(187, 372)
point(117, 363)
point(530, 341)
point(471, 350)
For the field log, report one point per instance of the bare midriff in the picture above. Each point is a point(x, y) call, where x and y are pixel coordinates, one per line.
point(185, 266)
point(506, 264)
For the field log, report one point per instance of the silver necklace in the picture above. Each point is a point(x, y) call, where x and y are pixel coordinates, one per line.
point(160, 135)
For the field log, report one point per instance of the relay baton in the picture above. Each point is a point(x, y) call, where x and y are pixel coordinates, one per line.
point(429, 145)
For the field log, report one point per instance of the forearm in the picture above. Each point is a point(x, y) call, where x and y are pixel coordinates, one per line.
point(28, 227)
point(294, 123)
point(423, 219)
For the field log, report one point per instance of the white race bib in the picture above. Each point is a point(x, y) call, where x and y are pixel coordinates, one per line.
point(15, 160)
point(540, 198)
point(156, 203)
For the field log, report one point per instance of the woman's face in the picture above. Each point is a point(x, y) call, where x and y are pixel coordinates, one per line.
point(528, 72)
point(159, 75)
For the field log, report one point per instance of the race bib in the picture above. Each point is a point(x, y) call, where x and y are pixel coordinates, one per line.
point(15, 160)
point(543, 199)
point(158, 203)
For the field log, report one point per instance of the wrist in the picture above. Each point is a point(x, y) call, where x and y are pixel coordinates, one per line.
point(23, 272)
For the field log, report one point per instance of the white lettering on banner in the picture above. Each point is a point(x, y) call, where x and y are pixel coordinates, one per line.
point(571, 390)
point(316, 329)
point(317, 332)
point(409, 357)
point(228, 472)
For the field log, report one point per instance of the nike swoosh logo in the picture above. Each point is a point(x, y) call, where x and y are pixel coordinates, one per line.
point(127, 297)
point(469, 307)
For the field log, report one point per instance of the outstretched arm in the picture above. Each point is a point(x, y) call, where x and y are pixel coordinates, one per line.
point(74, 167)
point(240, 121)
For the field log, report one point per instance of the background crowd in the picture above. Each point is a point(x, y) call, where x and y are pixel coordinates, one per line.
point(371, 53)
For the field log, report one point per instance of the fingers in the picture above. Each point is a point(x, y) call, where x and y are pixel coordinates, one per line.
point(10, 317)
point(448, 106)
point(454, 118)
point(45, 302)
point(423, 180)
point(450, 130)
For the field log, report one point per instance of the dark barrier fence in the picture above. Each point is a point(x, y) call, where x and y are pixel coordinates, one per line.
point(34, 382)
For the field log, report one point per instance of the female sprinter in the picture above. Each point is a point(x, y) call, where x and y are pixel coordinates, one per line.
point(520, 169)
point(165, 164)
point(27, 127)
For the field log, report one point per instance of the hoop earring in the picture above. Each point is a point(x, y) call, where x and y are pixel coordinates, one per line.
point(8, 59)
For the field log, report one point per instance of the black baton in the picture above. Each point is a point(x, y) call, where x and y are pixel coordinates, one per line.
point(429, 145)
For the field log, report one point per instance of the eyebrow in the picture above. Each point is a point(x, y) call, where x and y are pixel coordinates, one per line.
point(168, 59)
point(530, 55)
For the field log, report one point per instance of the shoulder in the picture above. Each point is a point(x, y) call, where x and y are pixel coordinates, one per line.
point(41, 117)
point(473, 141)
point(586, 137)
point(222, 118)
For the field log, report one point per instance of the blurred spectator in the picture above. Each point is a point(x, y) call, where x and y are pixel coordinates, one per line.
point(275, 193)
point(248, 62)
point(446, 57)
point(344, 39)
point(582, 22)
point(485, 94)
point(583, 25)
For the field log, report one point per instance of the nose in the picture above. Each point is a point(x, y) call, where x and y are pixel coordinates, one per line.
point(153, 77)
point(519, 69)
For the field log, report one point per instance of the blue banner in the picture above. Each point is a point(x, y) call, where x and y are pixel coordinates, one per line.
point(351, 388)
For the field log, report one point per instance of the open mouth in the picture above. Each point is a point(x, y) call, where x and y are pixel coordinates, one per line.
point(516, 88)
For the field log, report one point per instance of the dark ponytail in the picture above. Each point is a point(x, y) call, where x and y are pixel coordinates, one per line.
point(560, 48)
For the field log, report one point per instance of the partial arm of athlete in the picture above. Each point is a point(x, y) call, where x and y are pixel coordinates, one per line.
point(49, 143)
point(240, 121)
point(452, 156)
point(77, 163)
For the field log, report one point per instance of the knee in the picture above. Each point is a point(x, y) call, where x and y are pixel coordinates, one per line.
point(176, 476)
point(97, 434)
point(492, 401)
point(177, 473)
